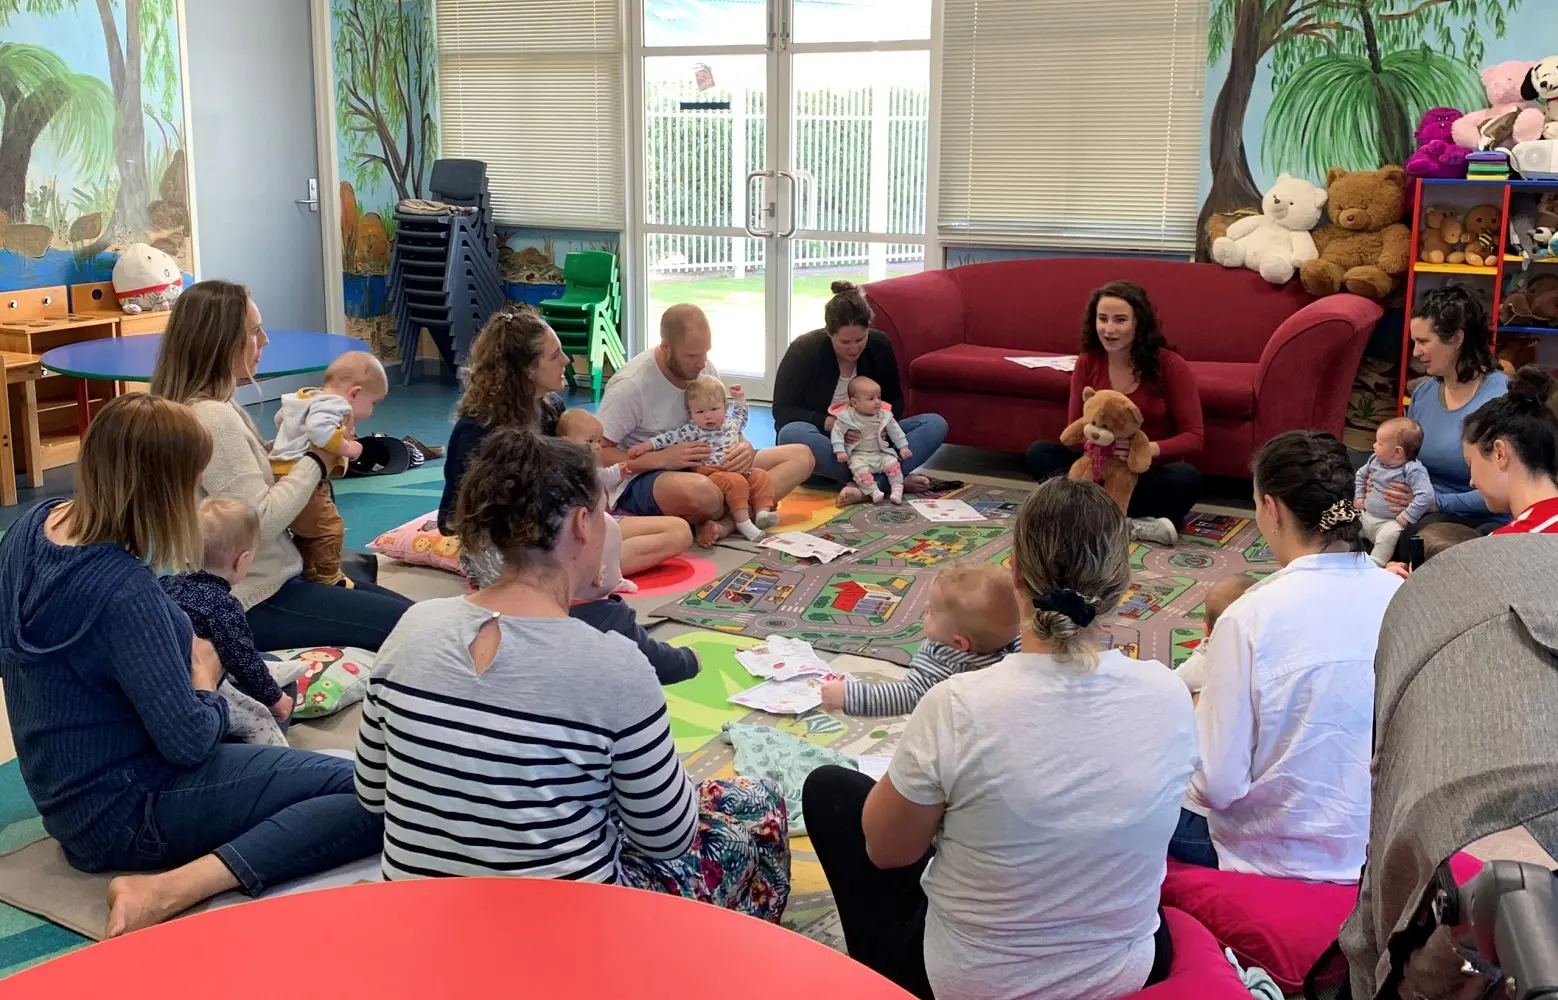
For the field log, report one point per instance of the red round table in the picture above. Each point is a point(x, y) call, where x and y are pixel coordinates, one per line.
point(464, 938)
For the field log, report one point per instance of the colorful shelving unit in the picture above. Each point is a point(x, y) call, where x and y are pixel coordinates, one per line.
point(1469, 192)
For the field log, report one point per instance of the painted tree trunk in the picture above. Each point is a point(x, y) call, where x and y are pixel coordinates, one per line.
point(1233, 186)
point(25, 119)
point(124, 71)
point(1395, 132)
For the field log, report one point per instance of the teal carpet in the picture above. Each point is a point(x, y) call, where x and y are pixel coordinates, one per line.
point(25, 940)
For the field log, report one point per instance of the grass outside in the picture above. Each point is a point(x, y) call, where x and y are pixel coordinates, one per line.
point(735, 308)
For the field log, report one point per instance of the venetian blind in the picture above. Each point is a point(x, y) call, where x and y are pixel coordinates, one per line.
point(534, 88)
point(1072, 123)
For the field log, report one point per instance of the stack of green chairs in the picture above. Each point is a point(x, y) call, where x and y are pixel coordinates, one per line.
point(586, 317)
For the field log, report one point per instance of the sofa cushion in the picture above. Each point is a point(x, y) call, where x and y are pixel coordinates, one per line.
point(985, 370)
point(1227, 388)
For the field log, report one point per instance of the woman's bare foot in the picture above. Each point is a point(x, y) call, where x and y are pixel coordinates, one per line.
point(916, 483)
point(707, 533)
point(849, 496)
point(136, 902)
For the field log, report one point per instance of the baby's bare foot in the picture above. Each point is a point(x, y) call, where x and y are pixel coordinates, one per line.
point(707, 533)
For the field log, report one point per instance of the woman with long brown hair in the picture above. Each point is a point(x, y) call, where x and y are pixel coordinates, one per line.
point(213, 343)
point(112, 700)
point(515, 374)
point(1123, 349)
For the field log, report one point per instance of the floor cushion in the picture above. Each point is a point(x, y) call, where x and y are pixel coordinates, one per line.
point(1199, 970)
point(420, 543)
point(1282, 925)
point(985, 370)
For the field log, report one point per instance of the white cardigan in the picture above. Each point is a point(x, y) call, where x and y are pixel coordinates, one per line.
point(240, 467)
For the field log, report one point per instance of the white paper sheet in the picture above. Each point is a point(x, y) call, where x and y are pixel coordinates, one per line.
point(946, 510)
point(782, 658)
point(804, 546)
point(795, 696)
point(1059, 362)
point(874, 765)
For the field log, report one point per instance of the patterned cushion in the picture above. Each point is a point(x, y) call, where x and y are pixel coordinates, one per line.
point(336, 678)
point(419, 543)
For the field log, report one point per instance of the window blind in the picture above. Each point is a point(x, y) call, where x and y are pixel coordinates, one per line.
point(534, 88)
point(1072, 123)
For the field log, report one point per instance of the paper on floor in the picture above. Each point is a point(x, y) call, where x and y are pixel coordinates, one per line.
point(782, 658)
point(804, 546)
point(946, 510)
point(874, 765)
point(795, 696)
point(1059, 362)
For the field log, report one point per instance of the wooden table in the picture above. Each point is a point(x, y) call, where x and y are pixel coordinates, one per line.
point(22, 372)
point(459, 938)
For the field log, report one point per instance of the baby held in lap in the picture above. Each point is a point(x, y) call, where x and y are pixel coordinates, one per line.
point(581, 427)
point(1223, 593)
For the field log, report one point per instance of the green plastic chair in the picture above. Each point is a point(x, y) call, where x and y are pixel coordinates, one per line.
point(587, 314)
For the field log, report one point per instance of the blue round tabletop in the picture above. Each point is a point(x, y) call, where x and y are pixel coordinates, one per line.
point(132, 359)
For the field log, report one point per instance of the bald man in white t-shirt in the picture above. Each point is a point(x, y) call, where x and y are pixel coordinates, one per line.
point(645, 398)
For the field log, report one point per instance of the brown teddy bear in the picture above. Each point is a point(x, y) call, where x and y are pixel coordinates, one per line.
point(1364, 249)
point(1482, 235)
point(1443, 240)
point(1531, 303)
point(1114, 449)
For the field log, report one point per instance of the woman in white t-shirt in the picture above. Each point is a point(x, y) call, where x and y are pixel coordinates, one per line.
point(1286, 718)
point(1049, 783)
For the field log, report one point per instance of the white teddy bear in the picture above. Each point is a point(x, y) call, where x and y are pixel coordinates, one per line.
point(1277, 241)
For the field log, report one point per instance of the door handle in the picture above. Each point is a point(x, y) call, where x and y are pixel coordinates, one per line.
point(770, 210)
point(794, 216)
point(312, 201)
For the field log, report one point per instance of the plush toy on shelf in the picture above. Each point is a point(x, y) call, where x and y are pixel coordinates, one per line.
point(1541, 84)
point(1364, 249)
point(1482, 231)
point(1437, 154)
point(1442, 240)
point(1275, 243)
point(1532, 300)
point(1509, 119)
point(146, 279)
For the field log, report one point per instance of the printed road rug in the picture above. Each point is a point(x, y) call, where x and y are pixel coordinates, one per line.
point(871, 602)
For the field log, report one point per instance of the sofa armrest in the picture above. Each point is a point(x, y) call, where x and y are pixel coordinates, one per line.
point(920, 313)
point(1308, 367)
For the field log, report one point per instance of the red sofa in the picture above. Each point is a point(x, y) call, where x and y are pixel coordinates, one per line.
point(1268, 359)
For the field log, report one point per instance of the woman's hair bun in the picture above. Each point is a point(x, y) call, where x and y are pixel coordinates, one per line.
point(844, 287)
point(1532, 384)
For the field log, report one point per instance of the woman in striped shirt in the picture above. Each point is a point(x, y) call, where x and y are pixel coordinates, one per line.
point(502, 737)
point(1511, 446)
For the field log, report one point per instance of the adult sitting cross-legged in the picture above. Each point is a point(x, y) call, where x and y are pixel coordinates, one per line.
point(646, 398)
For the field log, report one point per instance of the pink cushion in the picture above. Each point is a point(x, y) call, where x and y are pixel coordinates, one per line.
point(1282, 925)
point(1199, 970)
point(419, 543)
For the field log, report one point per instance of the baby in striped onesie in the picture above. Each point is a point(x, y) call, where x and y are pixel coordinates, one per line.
point(971, 621)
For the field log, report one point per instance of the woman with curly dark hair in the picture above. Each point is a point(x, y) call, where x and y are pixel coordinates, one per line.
point(1123, 349)
point(514, 377)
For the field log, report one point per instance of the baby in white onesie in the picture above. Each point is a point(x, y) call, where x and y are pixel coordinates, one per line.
point(881, 444)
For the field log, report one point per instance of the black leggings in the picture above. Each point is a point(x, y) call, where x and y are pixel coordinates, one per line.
point(1167, 490)
point(881, 912)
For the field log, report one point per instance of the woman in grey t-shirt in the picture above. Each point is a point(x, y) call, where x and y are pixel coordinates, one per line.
point(502, 737)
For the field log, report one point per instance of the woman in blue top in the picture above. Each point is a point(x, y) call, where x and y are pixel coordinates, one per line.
point(113, 703)
point(1452, 340)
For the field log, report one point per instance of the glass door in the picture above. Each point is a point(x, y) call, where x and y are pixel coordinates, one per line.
point(782, 147)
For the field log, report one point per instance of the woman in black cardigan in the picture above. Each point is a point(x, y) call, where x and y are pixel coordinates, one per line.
point(812, 380)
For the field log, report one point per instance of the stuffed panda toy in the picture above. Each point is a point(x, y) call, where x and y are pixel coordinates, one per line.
point(146, 279)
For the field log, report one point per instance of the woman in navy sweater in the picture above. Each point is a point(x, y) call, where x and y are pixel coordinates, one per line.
point(113, 703)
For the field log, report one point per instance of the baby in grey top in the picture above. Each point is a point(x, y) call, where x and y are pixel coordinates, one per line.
point(1396, 445)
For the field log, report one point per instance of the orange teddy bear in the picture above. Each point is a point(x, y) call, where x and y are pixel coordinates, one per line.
point(1115, 451)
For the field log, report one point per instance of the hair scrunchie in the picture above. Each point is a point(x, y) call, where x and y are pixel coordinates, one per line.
point(1069, 603)
point(1340, 512)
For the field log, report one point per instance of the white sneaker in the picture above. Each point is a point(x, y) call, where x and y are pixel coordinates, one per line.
point(1157, 530)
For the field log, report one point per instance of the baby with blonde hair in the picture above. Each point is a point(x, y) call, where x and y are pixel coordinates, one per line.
point(971, 621)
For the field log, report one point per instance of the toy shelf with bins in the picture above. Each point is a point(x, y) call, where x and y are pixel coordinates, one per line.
point(1470, 192)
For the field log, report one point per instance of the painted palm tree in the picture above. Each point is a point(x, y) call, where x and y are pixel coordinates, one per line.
point(43, 99)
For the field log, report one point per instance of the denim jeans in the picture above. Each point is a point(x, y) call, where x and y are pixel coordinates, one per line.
point(926, 432)
point(270, 813)
point(305, 613)
point(1192, 841)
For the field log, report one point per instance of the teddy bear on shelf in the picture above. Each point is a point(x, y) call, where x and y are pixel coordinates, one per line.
point(1509, 118)
point(1115, 451)
point(1275, 243)
point(1437, 154)
point(1443, 240)
point(1531, 301)
point(1364, 249)
point(1482, 231)
point(1541, 84)
point(146, 279)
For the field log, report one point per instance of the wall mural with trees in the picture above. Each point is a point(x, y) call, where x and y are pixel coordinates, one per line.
point(386, 110)
point(1300, 86)
point(92, 137)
